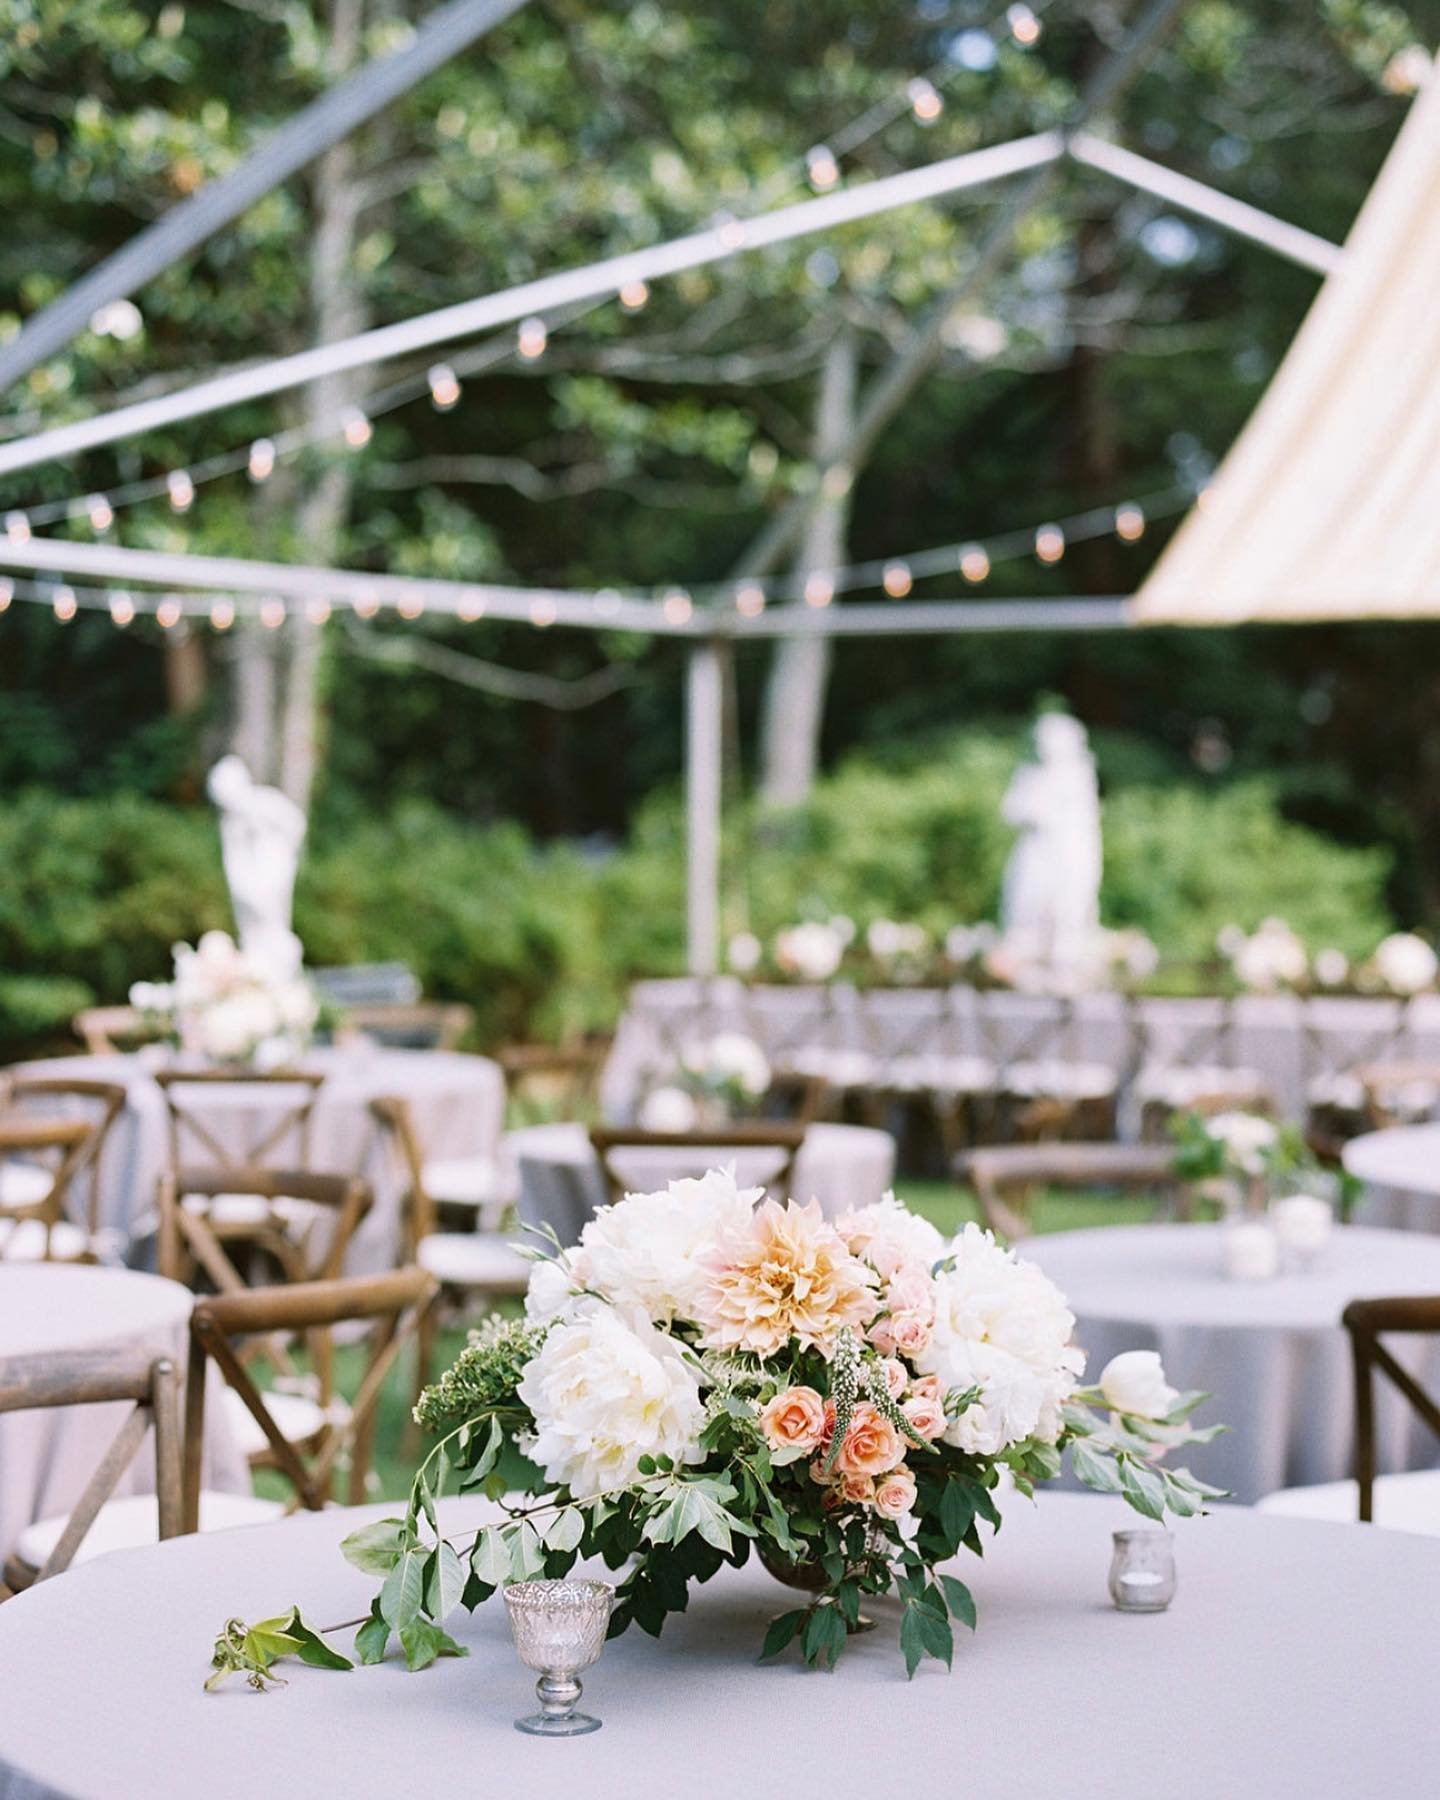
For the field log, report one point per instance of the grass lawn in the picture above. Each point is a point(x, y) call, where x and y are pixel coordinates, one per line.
point(948, 1205)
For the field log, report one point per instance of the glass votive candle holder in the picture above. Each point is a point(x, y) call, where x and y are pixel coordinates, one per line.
point(1142, 1570)
point(559, 1628)
point(1251, 1250)
point(1303, 1224)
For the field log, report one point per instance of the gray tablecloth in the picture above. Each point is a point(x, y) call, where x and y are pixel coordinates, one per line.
point(458, 1103)
point(1273, 1353)
point(561, 1183)
point(1300, 1661)
point(1401, 1172)
point(48, 1456)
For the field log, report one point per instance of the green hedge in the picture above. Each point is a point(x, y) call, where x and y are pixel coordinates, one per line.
point(542, 939)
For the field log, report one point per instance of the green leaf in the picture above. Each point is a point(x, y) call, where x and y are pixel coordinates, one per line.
point(404, 1589)
point(527, 1554)
point(312, 1647)
point(565, 1530)
point(1096, 1469)
point(422, 1642)
point(780, 1633)
point(1143, 1488)
point(373, 1636)
point(490, 1557)
point(824, 1635)
point(446, 1582)
point(375, 1549)
point(923, 1632)
point(957, 1511)
point(959, 1599)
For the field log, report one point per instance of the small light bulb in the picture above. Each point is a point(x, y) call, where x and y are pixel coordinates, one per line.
point(222, 615)
point(1205, 499)
point(543, 612)
point(366, 606)
point(1049, 543)
point(974, 563)
point(262, 459)
point(180, 488)
point(7, 592)
point(897, 580)
point(677, 607)
point(168, 612)
point(17, 527)
point(101, 512)
point(608, 603)
point(819, 588)
point(821, 166)
point(317, 611)
point(532, 338)
point(925, 102)
point(470, 607)
point(444, 387)
point(356, 428)
point(122, 609)
point(633, 295)
point(410, 606)
point(750, 599)
point(272, 613)
point(1129, 522)
point(64, 603)
point(837, 481)
point(730, 230)
point(1024, 26)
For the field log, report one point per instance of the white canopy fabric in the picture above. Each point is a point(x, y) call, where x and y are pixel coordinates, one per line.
point(1328, 504)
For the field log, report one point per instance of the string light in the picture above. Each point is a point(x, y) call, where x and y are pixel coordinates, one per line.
point(677, 607)
point(181, 489)
point(272, 613)
point(821, 167)
point(974, 562)
point(1205, 500)
point(366, 606)
point(470, 608)
point(317, 611)
point(730, 231)
point(532, 338)
point(543, 611)
point(837, 481)
point(1129, 522)
point(1024, 26)
point(750, 599)
point(222, 615)
point(64, 603)
point(925, 102)
point(897, 580)
point(17, 527)
point(634, 294)
point(819, 588)
point(122, 609)
point(1049, 544)
point(444, 387)
point(101, 512)
point(168, 613)
point(356, 428)
point(7, 593)
point(410, 606)
point(261, 464)
point(608, 603)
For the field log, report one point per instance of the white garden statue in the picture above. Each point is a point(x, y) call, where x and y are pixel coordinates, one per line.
point(261, 831)
point(1050, 902)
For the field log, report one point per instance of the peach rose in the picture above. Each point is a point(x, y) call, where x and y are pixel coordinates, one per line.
point(872, 1444)
point(927, 1387)
point(926, 1415)
point(818, 1474)
point(911, 1290)
point(897, 1378)
point(895, 1495)
point(858, 1490)
point(910, 1332)
point(794, 1420)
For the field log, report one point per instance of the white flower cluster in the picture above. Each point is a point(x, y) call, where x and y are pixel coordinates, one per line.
point(1246, 1138)
point(224, 1007)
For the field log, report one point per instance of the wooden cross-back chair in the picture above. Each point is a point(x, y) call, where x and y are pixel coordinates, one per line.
point(784, 1137)
point(284, 1125)
point(559, 1081)
point(410, 1025)
point(392, 1304)
point(85, 1378)
point(107, 1030)
point(1006, 1176)
point(59, 1126)
point(1366, 1321)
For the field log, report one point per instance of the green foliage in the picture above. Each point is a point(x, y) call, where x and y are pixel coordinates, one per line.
point(253, 1650)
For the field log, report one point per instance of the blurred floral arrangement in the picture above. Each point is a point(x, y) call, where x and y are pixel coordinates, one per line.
point(716, 1079)
point(225, 1007)
point(1274, 959)
point(1235, 1155)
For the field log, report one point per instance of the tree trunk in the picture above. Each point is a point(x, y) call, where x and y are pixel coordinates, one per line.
point(795, 695)
point(253, 687)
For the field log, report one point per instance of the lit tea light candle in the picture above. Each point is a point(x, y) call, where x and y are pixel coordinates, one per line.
point(1303, 1223)
point(1252, 1252)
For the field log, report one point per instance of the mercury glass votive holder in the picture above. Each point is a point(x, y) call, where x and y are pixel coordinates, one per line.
point(1142, 1571)
point(559, 1628)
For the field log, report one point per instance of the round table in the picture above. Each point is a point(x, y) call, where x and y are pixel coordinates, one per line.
point(1273, 1353)
point(458, 1103)
point(561, 1183)
point(1298, 1660)
point(47, 1456)
point(1401, 1172)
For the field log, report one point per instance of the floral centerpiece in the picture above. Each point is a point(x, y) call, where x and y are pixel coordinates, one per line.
point(1241, 1158)
point(709, 1373)
point(226, 1007)
point(717, 1079)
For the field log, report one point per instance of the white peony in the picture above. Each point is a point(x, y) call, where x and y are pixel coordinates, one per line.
point(812, 951)
point(730, 1056)
point(1134, 1382)
point(606, 1390)
point(553, 1285)
point(1246, 1138)
point(1003, 1326)
point(231, 1028)
point(645, 1250)
point(1405, 963)
point(888, 1235)
point(1273, 958)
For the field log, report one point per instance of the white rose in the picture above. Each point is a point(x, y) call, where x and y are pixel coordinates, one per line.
point(813, 951)
point(734, 1057)
point(1134, 1382)
point(605, 1391)
point(1406, 963)
point(1246, 1137)
point(645, 1250)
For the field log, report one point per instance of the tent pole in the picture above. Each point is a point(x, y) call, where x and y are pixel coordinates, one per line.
point(703, 770)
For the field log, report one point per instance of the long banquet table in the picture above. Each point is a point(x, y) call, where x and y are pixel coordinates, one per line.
point(1298, 1660)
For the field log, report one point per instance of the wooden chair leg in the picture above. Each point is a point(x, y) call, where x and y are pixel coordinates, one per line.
point(424, 1366)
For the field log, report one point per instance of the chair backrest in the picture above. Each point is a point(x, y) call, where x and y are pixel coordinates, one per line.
point(86, 1378)
point(279, 1102)
point(368, 984)
point(554, 1081)
point(1402, 1093)
point(1005, 1176)
point(410, 1025)
point(1365, 1320)
point(72, 1100)
point(193, 1237)
point(784, 1137)
point(392, 1304)
point(398, 1132)
point(105, 1030)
